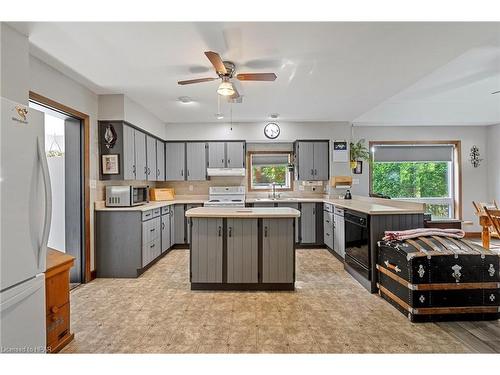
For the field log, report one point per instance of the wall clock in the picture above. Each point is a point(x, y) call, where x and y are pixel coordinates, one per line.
point(272, 130)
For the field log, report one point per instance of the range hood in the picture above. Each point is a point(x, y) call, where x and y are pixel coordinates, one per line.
point(226, 172)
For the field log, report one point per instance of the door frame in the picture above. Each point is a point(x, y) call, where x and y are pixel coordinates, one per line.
point(33, 96)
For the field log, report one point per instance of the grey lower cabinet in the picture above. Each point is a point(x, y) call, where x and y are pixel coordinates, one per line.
point(242, 251)
point(188, 221)
point(166, 241)
point(196, 161)
point(179, 228)
point(206, 251)
point(308, 223)
point(175, 161)
point(328, 229)
point(312, 160)
point(278, 252)
point(127, 242)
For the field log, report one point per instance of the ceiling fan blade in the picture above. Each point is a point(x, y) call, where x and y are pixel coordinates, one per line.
point(198, 80)
point(216, 62)
point(256, 76)
point(496, 92)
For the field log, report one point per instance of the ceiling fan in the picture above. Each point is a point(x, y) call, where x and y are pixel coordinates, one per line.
point(226, 71)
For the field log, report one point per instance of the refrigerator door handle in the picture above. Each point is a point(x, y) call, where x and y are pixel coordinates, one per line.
point(48, 200)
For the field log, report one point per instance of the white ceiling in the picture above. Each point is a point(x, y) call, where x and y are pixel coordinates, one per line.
point(326, 71)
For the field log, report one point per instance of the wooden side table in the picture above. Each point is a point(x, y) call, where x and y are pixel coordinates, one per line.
point(57, 300)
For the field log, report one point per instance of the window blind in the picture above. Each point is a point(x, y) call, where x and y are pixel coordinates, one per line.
point(270, 159)
point(390, 153)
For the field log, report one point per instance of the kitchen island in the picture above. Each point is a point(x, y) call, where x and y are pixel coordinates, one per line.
point(242, 248)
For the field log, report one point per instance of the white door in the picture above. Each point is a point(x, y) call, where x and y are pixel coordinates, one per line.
point(25, 194)
point(23, 317)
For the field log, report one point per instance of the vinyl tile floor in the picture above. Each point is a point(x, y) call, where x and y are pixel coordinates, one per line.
point(329, 312)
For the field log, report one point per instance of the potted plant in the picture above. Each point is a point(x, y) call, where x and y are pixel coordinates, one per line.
point(358, 151)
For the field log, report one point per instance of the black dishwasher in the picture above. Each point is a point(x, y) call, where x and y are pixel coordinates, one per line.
point(357, 242)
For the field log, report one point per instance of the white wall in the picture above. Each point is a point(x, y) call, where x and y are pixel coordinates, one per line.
point(474, 180)
point(493, 160)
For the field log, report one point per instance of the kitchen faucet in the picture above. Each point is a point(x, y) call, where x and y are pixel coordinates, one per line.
point(274, 196)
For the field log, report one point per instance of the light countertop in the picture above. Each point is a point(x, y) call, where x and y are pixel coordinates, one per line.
point(242, 212)
point(367, 205)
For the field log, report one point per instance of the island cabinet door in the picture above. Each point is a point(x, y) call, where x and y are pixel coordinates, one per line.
point(206, 250)
point(242, 251)
point(278, 253)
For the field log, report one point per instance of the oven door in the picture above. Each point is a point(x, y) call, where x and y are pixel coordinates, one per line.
point(140, 195)
point(357, 248)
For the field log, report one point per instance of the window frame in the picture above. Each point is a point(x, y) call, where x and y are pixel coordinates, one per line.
point(456, 169)
point(269, 152)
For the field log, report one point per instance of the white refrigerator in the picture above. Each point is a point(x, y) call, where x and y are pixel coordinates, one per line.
point(25, 203)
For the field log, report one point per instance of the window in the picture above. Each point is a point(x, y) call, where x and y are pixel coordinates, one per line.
point(420, 172)
point(268, 168)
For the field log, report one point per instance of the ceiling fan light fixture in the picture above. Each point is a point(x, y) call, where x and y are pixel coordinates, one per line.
point(225, 88)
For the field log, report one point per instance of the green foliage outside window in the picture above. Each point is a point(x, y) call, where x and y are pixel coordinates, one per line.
point(265, 175)
point(413, 180)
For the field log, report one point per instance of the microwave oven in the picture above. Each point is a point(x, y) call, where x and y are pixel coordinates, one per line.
point(126, 196)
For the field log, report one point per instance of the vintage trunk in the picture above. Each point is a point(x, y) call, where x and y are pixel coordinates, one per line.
point(439, 278)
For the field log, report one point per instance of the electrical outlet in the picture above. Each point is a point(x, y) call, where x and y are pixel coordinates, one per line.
point(93, 184)
point(191, 188)
point(301, 187)
point(355, 181)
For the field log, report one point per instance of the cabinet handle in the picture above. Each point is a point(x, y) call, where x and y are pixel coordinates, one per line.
point(327, 221)
point(230, 231)
point(228, 161)
point(328, 234)
point(188, 172)
point(316, 172)
point(54, 309)
point(220, 231)
point(182, 172)
point(162, 225)
point(133, 169)
point(158, 172)
point(153, 245)
point(312, 171)
point(152, 230)
point(392, 266)
point(145, 170)
point(222, 161)
point(265, 231)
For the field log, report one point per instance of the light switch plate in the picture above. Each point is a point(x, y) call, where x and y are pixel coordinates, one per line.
point(355, 181)
point(93, 184)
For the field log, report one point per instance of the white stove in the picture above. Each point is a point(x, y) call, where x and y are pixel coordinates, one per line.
point(226, 196)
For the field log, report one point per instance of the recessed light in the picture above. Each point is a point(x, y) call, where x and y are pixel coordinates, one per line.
point(185, 99)
point(274, 116)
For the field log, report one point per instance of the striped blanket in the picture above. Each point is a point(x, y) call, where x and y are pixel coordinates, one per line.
point(422, 232)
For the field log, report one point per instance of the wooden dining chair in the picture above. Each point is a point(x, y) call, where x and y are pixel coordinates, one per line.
point(494, 216)
point(479, 206)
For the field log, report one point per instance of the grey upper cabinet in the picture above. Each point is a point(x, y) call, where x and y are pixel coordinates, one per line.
point(312, 159)
point(216, 154)
point(206, 251)
point(151, 158)
point(305, 159)
point(226, 154)
point(141, 167)
point(235, 154)
point(196, 155)
point(128, 153)
point(175, 160)
point(278, 252)
point(242, 251)
point(160, 160)
point(321, 156)
point(308, 223)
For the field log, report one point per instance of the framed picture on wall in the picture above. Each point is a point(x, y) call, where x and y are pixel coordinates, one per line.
point(359, 167)
point(110, 164)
